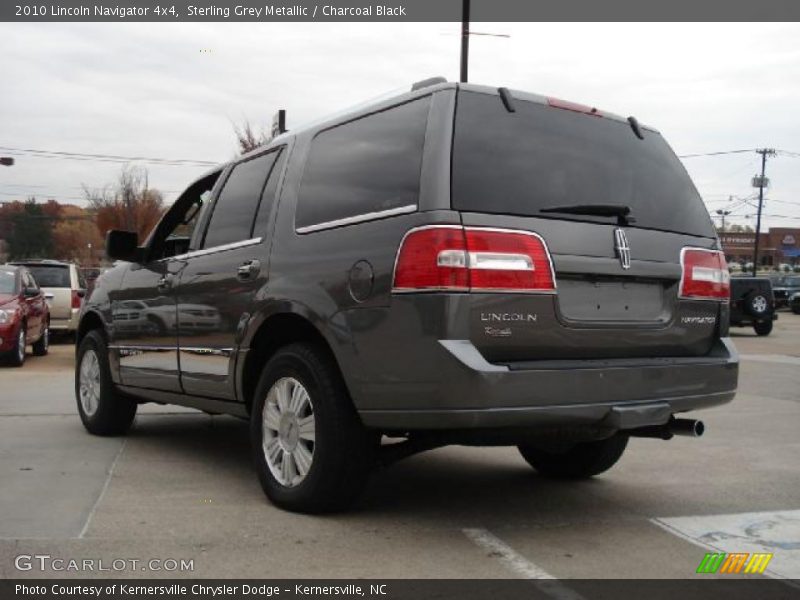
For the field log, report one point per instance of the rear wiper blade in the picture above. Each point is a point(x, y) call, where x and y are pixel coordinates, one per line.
point(620, 211)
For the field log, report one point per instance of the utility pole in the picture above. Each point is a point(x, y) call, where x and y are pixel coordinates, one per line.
point(760, 183)
point(464, 41)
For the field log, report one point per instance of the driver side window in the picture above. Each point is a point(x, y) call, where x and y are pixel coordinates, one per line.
point(175, 231)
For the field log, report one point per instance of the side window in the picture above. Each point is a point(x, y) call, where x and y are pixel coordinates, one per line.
point(81, 280)
point(269, 196)
point(365, 166)
point(235, 208)
point(28, 281)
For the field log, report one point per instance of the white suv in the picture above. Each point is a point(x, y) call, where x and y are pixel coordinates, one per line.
point(64, 288)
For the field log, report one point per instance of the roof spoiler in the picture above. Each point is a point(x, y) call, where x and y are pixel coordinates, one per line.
point(427, 83)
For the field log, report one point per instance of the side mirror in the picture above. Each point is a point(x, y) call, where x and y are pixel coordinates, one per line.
point(122, 245)
point(30, 292)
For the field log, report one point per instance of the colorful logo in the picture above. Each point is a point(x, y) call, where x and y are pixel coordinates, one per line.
point(734, 563)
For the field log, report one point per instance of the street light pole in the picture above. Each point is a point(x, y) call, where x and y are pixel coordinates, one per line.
point(723, 214)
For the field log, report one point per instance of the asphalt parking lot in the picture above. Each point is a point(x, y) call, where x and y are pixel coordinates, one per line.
point(181, 486)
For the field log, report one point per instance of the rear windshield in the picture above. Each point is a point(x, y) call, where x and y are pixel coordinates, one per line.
point(539, 156)
point(50, 275)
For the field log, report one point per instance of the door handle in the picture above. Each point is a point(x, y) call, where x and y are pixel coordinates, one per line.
point(165, 283)
point(248, 270)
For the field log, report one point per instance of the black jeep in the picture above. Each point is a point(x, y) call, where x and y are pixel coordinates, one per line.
point(753, 303)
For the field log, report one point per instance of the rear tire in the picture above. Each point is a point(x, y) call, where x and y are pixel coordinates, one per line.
point(102, 408)
point(582, 461)
point(763, 328)
point(301, 400)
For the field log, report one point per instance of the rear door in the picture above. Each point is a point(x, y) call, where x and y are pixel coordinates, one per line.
point(617, 279)
point(219, 281)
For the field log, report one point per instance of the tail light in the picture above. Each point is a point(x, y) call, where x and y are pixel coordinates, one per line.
point(705, 275)
point(76, 299)
point(454, 258)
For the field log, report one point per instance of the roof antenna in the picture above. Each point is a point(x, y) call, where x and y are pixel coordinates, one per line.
point(279, 123)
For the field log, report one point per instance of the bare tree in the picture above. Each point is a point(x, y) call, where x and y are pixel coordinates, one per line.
point(248, 138)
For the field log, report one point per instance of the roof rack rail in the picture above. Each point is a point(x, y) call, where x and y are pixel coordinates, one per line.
point(427, 83)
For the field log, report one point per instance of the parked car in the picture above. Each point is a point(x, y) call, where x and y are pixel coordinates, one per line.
point(24, 316)
point(458, 264)
point(752, 303)
point(794, 303)
point(783, 287)
point(64, 287)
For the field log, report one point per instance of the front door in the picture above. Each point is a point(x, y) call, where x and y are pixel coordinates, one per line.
point(219, 282)
point(143, 332)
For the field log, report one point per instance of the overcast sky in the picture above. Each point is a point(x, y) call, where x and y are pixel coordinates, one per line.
point(173, 90)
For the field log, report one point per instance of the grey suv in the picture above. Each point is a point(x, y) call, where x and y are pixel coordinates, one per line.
point(454, 265)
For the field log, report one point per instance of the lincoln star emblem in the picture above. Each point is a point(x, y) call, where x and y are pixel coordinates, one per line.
point(622, 248)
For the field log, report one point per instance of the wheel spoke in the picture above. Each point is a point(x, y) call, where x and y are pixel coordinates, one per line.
point(299, 399)
point(282, 393)
point(306, 427)
point(272, 419)
point(302, 457)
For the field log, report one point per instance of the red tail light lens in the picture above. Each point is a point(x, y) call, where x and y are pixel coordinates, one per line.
point(705, 275)
point(432, 258)
point(76, 299)
point(479, 259)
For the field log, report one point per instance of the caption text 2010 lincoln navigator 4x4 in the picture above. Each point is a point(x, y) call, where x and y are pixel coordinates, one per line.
point(454, 265)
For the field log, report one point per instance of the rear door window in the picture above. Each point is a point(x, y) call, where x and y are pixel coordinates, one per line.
point(53, 276)
point(235, 209)
point(369, 165)
point(537, 157)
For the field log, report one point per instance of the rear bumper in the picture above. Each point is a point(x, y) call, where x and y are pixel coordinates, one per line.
point(68, 324)
point(470, 393)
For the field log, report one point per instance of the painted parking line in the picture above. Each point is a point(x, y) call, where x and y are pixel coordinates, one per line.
point(780, 359)
point(775, 532)
point(521, 566)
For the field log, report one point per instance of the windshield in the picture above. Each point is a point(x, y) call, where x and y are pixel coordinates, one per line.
point(538, 157)
point(50, 275)
point(7, 282)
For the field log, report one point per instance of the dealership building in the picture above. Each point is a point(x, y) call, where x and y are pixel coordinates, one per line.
point(777, 246)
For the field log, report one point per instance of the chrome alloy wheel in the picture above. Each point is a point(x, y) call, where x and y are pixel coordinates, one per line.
point(288, 431)
point(759, 304)
point(89, 384)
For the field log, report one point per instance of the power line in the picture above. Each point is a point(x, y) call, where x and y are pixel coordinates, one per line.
point(717, 153)
point(106, 157)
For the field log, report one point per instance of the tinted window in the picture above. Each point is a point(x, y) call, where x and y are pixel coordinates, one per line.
point(235, 209)
point(269, 196)
point(368, 165)
point(8, 282)
point(51, 275)
point(539, 156)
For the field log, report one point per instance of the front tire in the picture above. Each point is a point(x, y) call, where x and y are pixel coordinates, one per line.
point(763, 328)
point(103, 409)
point(581, 461)
point(17, 355)
point(310, 449)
